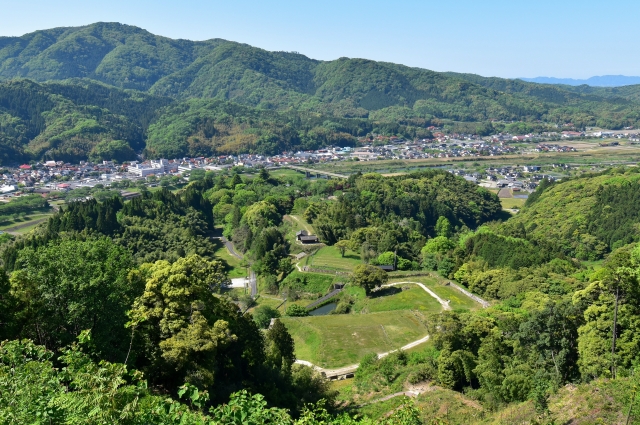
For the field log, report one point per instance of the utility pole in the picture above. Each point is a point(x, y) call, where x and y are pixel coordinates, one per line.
point(613, 341)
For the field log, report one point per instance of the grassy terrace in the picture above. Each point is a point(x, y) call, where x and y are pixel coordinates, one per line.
point(24, 224)
point(458, 300)
point(383, 322)
point(340, 340)
point(508, 203)
point(329, 257)
point(395, 298)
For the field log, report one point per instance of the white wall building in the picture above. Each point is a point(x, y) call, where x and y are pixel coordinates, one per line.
point(161, 166)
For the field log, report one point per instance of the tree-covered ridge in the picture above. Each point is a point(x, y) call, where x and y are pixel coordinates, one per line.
point(205, 127)
point(584, 217)
point(129, 57)
point(63, 121)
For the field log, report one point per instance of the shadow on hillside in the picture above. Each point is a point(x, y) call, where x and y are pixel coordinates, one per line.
point(384, 292)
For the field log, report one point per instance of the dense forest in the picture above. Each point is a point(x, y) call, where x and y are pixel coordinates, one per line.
point(131, 296)
point(107, 289)
point(108, 83)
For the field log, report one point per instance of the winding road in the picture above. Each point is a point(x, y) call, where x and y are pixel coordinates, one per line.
point(253, 281)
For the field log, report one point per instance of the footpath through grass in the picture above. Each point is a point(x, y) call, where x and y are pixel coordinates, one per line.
point(401, 297)
point(457, 298)
point(334, 341)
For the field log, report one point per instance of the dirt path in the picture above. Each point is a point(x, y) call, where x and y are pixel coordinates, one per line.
point(347, 370)
point(303, 224)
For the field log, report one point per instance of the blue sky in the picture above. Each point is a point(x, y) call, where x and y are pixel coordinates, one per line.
point(505, 38)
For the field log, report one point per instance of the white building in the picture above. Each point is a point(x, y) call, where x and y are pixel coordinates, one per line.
point(161, 166)
point(8, 188)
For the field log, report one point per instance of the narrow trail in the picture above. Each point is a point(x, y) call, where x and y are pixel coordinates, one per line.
point(350, 369)
point(409, 393)
point(306, 227)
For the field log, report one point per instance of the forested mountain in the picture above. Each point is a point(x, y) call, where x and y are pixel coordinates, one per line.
point(99, 66)
point(71, 121)
point(131, 58)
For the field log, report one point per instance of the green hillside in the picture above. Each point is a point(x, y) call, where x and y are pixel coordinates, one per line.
point(584, 217)
point(37, 122)
point(129, 57)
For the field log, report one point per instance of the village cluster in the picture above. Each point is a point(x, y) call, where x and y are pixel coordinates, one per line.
point(60, 176)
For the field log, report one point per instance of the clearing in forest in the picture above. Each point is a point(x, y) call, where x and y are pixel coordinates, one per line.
point(329, 257)
point(457, 299)
point(343, 339)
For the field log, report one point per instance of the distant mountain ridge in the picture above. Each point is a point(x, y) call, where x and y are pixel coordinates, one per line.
point(598, 81)
point(110, 89)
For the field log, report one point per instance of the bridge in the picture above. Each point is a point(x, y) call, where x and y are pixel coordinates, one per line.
point(311, 172)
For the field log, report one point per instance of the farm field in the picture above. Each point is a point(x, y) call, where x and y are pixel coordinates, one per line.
point(509, 203)
point(340, 340)
point(24, 224)
point(329, 257)
point(589, 154)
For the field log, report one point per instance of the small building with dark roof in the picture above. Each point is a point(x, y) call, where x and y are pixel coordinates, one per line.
point(387, 268)
point(308, 239)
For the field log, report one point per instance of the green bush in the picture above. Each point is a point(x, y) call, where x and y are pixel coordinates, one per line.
point(263, 314)
point(295, 310)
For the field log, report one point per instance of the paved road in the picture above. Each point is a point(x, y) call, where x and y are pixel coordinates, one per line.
point(229, 246)
point(253, 281)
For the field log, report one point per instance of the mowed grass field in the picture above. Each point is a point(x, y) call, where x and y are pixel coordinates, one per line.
point(329, 257)
point(339, 340)
point(24, 224)
point(457, 298)
point(394, 298)
point(309, 282)
point(285, 172)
